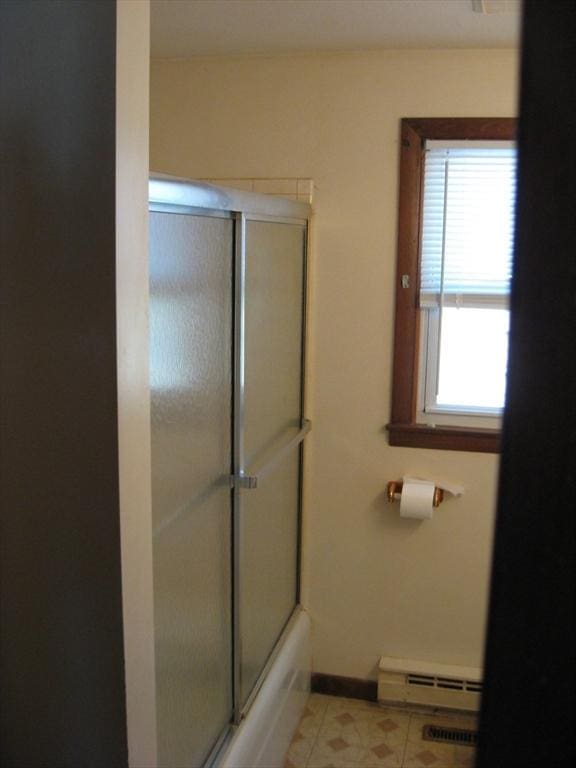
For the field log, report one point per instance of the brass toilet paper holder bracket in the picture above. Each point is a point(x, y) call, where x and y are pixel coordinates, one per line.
point(395, 487)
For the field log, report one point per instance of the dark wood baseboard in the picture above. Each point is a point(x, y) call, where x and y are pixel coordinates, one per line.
point(349, 687)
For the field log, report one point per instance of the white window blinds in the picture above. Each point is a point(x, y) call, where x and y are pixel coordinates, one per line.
point(467, 223)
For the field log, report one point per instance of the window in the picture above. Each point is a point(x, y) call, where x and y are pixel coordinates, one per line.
point(455, 234)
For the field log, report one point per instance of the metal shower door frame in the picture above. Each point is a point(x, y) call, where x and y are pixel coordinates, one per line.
point(177, 195)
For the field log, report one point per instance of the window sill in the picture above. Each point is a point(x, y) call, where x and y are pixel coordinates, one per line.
point(444, 438)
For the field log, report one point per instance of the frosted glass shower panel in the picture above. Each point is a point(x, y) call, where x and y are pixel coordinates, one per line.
point(268, 557)
point(269, 523)
point(190, 333)
point(274, 278)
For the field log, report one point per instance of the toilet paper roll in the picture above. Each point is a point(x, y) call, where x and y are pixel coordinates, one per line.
point(417, 498)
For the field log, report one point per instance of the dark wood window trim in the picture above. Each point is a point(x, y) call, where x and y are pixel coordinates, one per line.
point(403, 429)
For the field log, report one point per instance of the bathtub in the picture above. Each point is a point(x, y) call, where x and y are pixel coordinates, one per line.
point(263, 737)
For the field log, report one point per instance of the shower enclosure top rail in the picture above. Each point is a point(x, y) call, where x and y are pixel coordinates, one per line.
point(171, 190)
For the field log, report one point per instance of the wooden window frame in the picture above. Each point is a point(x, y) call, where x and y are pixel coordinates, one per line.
point(403, 429)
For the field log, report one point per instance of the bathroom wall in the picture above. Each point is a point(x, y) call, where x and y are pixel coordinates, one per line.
point(135, 493)
point(374, 584)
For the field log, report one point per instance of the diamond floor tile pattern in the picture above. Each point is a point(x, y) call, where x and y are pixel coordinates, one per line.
point(347, 733)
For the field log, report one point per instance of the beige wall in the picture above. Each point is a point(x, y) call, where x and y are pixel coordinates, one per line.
point(132, 101)
point(374, 584)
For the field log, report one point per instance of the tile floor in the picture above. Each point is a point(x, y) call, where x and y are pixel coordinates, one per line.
point(348, 733)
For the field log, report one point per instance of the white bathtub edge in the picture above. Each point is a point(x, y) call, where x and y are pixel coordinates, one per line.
point(263, 737)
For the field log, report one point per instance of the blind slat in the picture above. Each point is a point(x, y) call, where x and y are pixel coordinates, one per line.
point(470, 246)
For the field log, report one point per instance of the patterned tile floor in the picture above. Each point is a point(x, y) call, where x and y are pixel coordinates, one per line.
point(348, 733)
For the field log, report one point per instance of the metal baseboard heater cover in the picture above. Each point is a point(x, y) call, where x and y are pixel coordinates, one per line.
point(427, 684)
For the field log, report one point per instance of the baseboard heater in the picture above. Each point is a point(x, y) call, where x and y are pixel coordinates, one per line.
point(427, 684)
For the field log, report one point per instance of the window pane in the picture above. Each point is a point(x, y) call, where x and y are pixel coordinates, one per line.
point(473, 357)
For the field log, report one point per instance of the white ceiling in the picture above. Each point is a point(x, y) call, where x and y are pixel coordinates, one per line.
point(185, 28)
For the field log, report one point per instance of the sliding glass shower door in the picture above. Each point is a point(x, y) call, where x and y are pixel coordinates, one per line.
point(191, 381)
point(226, 332)
point(271, 420)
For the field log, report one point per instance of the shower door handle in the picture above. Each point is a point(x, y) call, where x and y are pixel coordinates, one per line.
point(249, 480)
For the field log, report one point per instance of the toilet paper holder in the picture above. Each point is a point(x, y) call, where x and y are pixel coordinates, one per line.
point(395, 487)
